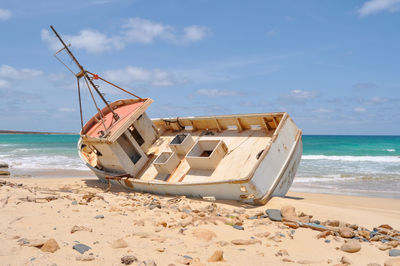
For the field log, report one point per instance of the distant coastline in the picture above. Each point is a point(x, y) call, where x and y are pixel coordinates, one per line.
point(35, 132)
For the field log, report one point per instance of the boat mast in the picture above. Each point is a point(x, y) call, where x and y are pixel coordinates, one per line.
point(83, 73)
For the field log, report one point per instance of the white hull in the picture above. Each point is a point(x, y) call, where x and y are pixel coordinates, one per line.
point(273, 176)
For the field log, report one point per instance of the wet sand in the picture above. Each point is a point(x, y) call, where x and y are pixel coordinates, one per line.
point(183, 231)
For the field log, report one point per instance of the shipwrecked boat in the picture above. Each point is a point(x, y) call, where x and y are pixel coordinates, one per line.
point(248, 157)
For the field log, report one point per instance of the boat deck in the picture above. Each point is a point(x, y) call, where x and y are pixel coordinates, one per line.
point(241, 158)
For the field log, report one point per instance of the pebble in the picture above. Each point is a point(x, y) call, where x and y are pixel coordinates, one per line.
point(74, 202)
point(128, 260)
point(238, 227)
point(345, 260)
point(334, 223)
point(346, 232)
point(324, 234)
point(274, 215)
point(394, 252)
point(77, 228)
point(100, 216)
point(81, 248)
point(50, 246)
point(291, 224)
point(84, 257)
point(314, 226)
point(148, 263)
point(204, 234)
point(265, 234)
point(351, 246)
point(119, 243)
point(4, 172)
point(3, 165)
point(392, 262)
point(245, 241)
point(185, 222)
point(217, 256)
point(386, 226)
point(327, 241)
point(288, 211)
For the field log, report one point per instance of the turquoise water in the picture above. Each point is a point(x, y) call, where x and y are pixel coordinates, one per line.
point(360, 165)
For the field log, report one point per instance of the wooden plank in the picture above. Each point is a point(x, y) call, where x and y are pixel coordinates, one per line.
point(276, 123)
point(239, 125)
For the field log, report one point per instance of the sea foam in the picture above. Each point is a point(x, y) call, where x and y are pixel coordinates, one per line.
point(348, 158)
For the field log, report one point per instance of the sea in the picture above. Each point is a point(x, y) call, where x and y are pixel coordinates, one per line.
point(347, 165)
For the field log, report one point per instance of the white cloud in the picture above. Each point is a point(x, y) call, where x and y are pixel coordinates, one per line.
point(194, 33)
point(137, 75)
point(360, 110)
point(5, 14)
point(374, 6)
point(218, 93)
point(90, 40)
point(66, 109)
point(9, 75)
point(139, 30)
point(297, 96)
point(135, 30)
point(365, 85)
point(323, 110)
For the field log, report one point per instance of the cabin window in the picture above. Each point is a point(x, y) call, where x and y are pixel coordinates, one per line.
point(129, 149)
point(136, 135)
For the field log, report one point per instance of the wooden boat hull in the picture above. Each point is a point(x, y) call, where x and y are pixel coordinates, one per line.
point(273, 176)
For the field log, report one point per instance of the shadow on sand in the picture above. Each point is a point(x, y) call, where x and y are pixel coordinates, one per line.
point(95, 183)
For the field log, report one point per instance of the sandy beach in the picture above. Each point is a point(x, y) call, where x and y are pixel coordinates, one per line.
point(46, 221)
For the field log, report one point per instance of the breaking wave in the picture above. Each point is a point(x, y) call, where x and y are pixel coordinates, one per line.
point(386, 159)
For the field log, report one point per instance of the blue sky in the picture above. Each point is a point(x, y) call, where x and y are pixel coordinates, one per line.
point(334, 66)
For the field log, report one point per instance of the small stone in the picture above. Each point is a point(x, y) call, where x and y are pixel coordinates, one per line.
point(74, 202)
point(384, 247)
point(81, 248)
point(291, 225)
point(148, 263)
point(100, 216)
point(327, 241)
point(324, 234)
point(50, 246)
point(3, 165)
point(288, 211)
point(334, 223)
point(351, 246)
point(265, 234)
point(386, 226)
point(274, 215)
point(245, 241)
point(84, 257)
point(346, 232)
point(203, 234)
point(394, 252)
point(128, 260)
point(314, 226)
point(217, 256)
point(119, 243)
point(365, 233)
point(238, 227)
point(345, 260)
point(77, 228)
point(223, 243)
point(185, 222)
point(392, 262)
point(4, 173)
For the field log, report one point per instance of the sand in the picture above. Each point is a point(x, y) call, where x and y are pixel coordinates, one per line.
point(176, 230)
